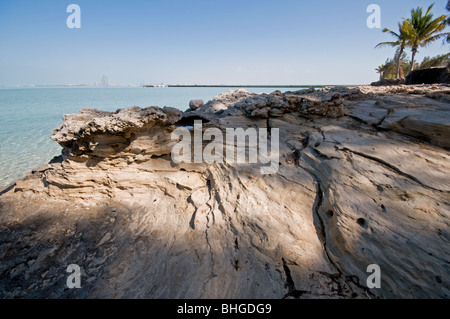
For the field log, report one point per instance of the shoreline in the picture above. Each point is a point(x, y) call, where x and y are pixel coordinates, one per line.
point(262, 86)
point(244, 86)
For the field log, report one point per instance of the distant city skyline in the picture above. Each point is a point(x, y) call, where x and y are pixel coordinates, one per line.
point(286, 42)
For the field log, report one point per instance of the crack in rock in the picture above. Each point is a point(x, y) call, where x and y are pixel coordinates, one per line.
point(391, 167)
point(290, 285)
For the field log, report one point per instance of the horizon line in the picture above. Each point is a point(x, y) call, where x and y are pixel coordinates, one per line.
point(182, 85)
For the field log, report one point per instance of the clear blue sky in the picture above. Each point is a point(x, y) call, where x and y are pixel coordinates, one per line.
point(198, 41)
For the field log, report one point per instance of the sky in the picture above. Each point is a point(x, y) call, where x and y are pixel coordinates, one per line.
point(282, 42)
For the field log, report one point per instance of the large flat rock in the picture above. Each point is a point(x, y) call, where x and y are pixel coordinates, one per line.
point(362, 179)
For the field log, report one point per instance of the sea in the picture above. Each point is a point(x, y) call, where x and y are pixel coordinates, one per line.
point(29, 114)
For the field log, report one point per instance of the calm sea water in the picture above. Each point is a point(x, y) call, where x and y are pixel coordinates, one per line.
point(28, 115)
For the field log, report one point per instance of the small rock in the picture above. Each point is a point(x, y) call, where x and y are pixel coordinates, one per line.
point(196, 104)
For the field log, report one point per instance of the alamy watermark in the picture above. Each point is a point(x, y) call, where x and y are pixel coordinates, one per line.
point(73, 280)
point(256, 148)
point(374, 280)
point(374, 19)
point(74, 19)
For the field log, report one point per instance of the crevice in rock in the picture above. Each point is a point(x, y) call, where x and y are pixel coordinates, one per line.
point(375, 126)
point(219, 205)
point(188, 120)
point(192, 221)
point(296, 155)
point(7, 189)
point(391, 167)
point(322, 155)
point(209, 246)
point(322, 233)
point(295, 182)
point(323, 134)
point(236, 264)
point(384, 118)
point(289, 281)
point(196, 254)
point(209, 185)
point(290, 285)
point(321, 226)
point(305, 141)
point(357, 119)
point(343, 280)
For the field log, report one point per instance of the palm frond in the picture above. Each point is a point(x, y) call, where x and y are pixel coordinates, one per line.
point(384, 44)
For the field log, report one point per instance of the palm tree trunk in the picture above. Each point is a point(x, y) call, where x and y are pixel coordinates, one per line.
point(402, 74)
point(399, 61)
point(414, 51)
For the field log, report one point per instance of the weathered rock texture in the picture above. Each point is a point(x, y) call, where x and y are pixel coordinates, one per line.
point(363, 179)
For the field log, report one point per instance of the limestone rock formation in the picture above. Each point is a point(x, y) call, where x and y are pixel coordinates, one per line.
point(135, 132)
point(325, 102)
point(363, 179)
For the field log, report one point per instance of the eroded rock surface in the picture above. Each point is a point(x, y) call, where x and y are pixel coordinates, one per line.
point(363, 180)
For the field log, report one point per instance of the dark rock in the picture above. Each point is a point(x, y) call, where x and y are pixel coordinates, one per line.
point(428, 76)
point(386, 82)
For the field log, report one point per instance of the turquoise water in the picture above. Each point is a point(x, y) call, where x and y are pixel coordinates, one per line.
point(28, 115)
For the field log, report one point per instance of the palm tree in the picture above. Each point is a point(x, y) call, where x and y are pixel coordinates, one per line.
point(380, 70)
point(448, 20)
point(401, 40)
point(423, 29)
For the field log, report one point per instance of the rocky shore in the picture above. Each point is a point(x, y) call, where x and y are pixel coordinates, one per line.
point(363, 179)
